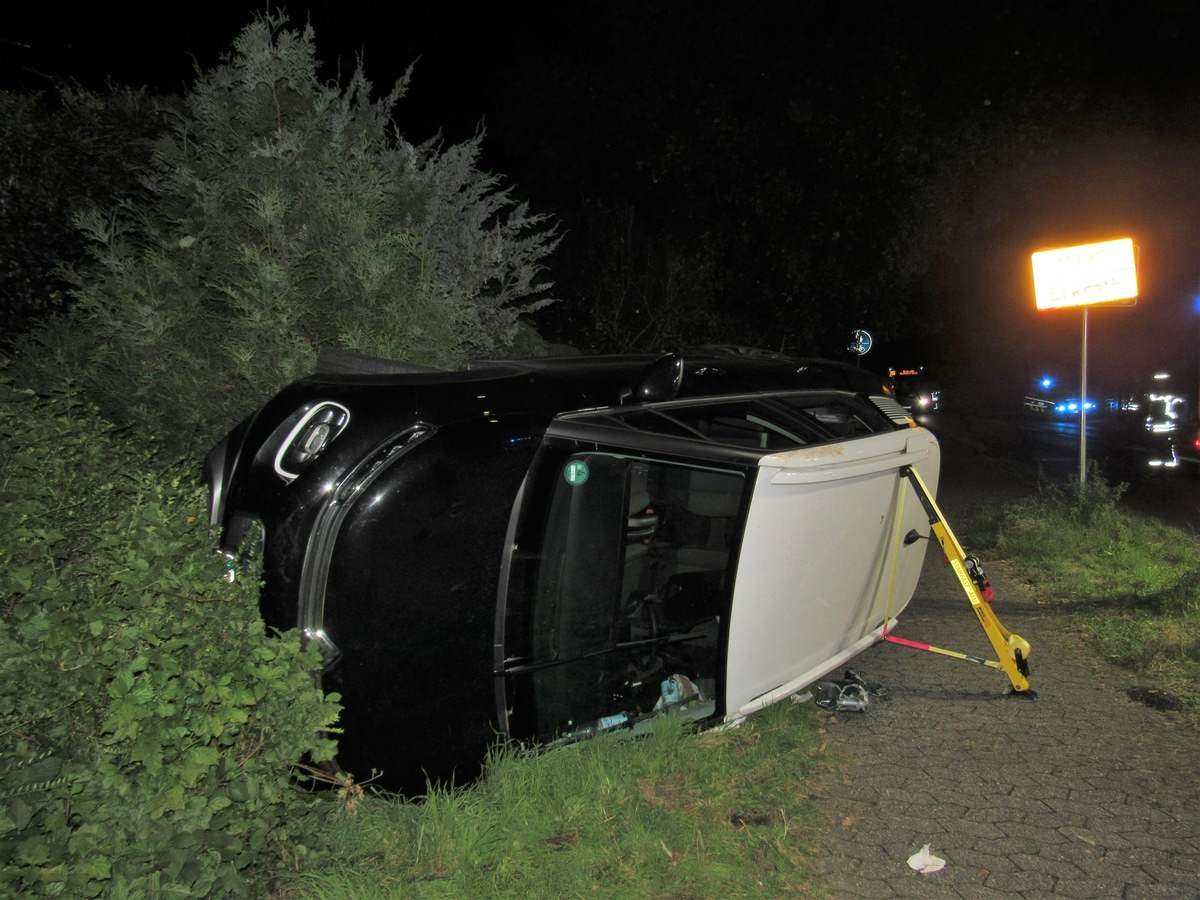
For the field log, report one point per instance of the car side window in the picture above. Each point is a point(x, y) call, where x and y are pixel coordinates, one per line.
point(621, 584)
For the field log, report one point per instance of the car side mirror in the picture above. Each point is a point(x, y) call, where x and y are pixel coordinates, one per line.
point(660, 380)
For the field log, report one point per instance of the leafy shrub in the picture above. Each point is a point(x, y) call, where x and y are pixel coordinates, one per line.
point(1058, 514)
point(280, 215)
point(1090, 502)
point(148, 726)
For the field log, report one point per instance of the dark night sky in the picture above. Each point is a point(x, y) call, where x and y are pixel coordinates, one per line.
point(1130, 180)
point(160, 46)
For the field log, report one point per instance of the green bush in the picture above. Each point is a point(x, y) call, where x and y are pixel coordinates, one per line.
point(149, 728)
point(280, 215)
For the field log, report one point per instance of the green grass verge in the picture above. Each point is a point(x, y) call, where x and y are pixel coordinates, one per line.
point(729, 813)
point(671, 814)
point(1133, 583)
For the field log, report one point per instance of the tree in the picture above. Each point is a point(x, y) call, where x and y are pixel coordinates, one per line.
point(280, 216)
point(65, 150)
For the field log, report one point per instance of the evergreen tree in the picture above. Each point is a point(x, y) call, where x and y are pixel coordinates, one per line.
point(63, 151)
point(282, 215)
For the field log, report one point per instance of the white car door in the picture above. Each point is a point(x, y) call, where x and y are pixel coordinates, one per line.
point(822, 562)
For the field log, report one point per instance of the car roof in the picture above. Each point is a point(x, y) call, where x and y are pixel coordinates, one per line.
point(619, 378)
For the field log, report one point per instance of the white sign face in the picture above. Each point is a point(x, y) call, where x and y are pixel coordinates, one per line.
point(1085, 275)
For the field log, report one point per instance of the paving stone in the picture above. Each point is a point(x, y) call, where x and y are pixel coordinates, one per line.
point(1105, 839)
point(1080, 793)
point(1113, 869)
point(1175, 872)
point(1089, 889)
point(1031, 834)
point(1025, 884)
point(864, 852)
point(858, 887)
point(928, 886)
point(984, 862)
point(980, 830)
point(1047, 863)
point(1169, 891)
point(1052, 821)
point(1160, 842)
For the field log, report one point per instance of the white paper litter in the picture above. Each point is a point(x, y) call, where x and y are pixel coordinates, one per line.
point(925, 862)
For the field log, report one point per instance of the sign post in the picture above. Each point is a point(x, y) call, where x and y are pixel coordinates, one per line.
point(1085, 276)
point(1083, 400)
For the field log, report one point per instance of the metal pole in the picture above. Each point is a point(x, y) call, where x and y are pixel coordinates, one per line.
point(1083, 403)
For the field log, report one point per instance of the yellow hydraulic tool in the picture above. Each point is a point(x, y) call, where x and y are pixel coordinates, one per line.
point(1012, 649)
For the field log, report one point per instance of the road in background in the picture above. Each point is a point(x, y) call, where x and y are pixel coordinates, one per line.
point(1008, 453)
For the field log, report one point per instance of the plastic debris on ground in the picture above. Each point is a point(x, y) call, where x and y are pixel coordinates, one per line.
point(925, 862)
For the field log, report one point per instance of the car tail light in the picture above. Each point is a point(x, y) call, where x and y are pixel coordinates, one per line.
point(315, 431)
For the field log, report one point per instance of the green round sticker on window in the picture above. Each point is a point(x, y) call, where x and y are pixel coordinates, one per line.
point(576, 472)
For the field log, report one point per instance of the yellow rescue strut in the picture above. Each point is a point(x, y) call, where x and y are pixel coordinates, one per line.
point(1012, 649)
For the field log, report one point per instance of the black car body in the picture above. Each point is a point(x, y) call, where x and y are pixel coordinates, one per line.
point(478, 552)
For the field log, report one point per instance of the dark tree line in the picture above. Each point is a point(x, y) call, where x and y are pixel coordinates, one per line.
point(780, 174)
point(775, 174)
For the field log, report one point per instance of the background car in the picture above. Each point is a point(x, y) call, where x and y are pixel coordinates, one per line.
point(916, 391)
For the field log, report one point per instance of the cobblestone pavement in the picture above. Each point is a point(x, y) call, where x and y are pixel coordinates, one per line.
point(1080, 793)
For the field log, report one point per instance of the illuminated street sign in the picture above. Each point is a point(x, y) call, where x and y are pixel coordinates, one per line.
point(1087, 275)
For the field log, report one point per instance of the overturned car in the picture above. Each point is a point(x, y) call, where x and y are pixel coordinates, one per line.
point(541, 549)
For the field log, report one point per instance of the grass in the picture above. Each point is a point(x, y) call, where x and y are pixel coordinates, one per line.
point(730, 813)
point(1131, 583)
point(673, 814)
